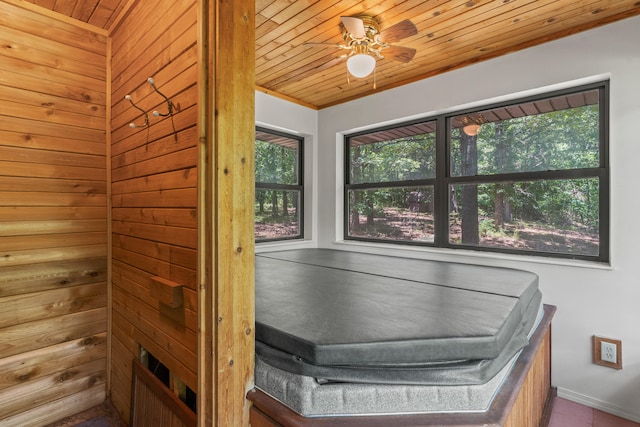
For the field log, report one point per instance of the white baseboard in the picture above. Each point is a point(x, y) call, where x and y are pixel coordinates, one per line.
point(598, 404)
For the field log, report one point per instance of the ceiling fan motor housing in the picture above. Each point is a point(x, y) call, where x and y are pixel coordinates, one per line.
point(368, 43)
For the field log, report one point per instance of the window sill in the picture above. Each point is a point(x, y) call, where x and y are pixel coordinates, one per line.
point(461, 255)
point(284, 245)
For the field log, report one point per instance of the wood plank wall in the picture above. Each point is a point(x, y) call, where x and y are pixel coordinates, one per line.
point(227, 245)
point(53, 216)
point(154, 186)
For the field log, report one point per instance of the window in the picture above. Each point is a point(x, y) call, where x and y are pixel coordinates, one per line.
point(529, 177)
point(391, 183)
point(279, 190)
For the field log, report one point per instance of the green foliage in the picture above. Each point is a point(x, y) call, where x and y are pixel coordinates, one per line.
point(401, 159)
point(487, 227)
point(275, 163)
point(558, 140)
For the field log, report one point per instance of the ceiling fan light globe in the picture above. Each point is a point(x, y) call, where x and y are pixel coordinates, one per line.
point(361, 65)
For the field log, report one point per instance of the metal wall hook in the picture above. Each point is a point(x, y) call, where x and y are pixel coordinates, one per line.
point(170, 108)
point(170, 105)
point(144, 114)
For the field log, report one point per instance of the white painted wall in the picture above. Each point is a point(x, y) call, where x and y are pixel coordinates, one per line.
point(600, 300)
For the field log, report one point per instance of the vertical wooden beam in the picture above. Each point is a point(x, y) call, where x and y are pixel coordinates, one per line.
point(109, 219)
point(206, 390)
point(226, 195)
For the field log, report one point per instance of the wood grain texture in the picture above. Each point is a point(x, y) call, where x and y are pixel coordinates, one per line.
point(49, 388)
point(153, 404)
point(25, 308)
point(166, 291)
point(226, 241)
point(38, 364)
point(18, 280)
point(451, 34)
point(41, 21)
point(53, 216)
point(154, 193)
point(98, 13)
point(59, 408)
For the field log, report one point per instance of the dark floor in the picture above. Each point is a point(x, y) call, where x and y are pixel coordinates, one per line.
point(565, 414)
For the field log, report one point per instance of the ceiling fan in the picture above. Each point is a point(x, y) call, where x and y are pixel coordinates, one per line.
point(366, 42)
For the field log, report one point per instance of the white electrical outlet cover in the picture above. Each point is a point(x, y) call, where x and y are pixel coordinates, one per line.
point(608, 352)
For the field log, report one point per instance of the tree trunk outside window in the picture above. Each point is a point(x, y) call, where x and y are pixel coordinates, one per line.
point(469, 211)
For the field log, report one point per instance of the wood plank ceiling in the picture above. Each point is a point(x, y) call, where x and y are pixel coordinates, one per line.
point(101, 13)
point(451, 34)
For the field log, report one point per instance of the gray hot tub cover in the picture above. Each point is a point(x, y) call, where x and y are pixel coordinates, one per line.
point(343, 308)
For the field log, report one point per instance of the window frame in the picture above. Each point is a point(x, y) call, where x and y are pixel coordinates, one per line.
point(444, 180)
point(286, 187)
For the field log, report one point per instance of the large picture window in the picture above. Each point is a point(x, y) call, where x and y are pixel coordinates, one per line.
point(530, 177)
point(279, 189)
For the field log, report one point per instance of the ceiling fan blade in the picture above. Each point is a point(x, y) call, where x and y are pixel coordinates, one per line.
point(399, 31)
point(399, 53)
point(355, 26)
